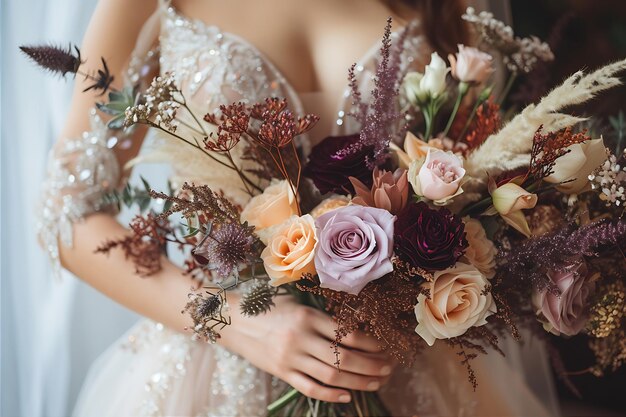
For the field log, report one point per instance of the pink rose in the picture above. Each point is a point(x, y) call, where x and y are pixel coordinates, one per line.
point(566, 312)
point(355, 245)
point(471, 65)
point(439, 176)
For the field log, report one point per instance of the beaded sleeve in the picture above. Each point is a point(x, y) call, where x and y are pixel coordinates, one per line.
point(80, 172)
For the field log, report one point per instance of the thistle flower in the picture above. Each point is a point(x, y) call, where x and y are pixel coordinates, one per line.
point(258, 299)
point(227, 248)
point(55, 59)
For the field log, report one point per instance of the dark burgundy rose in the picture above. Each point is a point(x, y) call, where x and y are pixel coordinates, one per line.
point(334, 160)
point(428, 238)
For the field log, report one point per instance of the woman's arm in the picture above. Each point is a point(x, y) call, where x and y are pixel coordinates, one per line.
point(292, 342)
point(112, 34)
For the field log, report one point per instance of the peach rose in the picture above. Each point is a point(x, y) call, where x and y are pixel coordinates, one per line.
point(330, 204)
point(276, 204)
point(481, 251)
point(439, 177)
point(290, 251)
point(457, 302)
point(414, 149)
point(576, 165)
point(471, 65)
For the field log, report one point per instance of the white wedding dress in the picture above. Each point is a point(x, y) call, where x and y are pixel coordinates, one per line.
point(155, 371)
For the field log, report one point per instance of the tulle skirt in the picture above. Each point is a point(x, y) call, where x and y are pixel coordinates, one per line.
point(153, 371)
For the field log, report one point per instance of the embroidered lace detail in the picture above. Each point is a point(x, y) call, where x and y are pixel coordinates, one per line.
point(80, 171)
point(218, 67)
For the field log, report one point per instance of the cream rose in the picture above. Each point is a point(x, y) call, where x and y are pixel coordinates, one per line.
point(290, 250)
point(437, 178)
point(276, 204)
point(457, 302)
point(481, 251)
point(509, 200)
point(576, 165)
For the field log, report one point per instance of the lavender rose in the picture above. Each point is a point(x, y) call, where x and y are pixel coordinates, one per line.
point(566, 312)
point(355, 245)
point(332, 162)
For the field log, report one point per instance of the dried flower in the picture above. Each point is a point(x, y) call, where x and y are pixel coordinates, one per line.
point(610, 180)
point(206, 311)
point(258, 299)
point(228, 248)
point(54, 58)
point(608, 311)
point(389, 191)
point(520, 55)
point(381, 122)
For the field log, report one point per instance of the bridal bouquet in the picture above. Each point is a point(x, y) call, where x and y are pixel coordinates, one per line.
point(456, 233)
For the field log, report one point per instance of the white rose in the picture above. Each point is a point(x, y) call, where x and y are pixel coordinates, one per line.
point(434, 80)
point(457, 302)
point(412, 90)
point(576, 165)
point(481, 252)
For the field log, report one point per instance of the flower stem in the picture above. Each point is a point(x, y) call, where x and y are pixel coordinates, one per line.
point(277, 405)
point(463, 89)
point(507, 88)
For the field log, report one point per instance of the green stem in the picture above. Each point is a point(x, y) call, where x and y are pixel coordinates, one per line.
point(507, 88)
point(429, 120)
point(469, 120)
point(463, 89)
point(277, 405)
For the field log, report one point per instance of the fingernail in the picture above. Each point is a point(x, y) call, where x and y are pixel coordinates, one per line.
point(345, 398)
point(386, 370)
point(373, 386)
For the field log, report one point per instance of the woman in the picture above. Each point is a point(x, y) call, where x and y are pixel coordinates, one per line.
point(297, 49)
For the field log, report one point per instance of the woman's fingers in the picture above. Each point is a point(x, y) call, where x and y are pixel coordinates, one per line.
point(313, 389)
point(327, 327)
point(342, 379)
point(369, 364)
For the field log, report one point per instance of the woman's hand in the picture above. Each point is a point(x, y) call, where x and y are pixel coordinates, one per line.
point(293, 342)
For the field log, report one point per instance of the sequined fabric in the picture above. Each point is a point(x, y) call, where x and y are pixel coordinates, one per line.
point(80, 172)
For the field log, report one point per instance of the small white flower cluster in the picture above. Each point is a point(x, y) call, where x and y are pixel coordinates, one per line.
point(610, 179)
point(161, 104)
point(162, 89)
point(520, 55)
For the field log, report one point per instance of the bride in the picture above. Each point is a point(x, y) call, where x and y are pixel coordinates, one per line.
point(232, 51)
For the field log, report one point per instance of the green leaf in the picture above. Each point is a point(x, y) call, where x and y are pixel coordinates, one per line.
point(145, 184)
